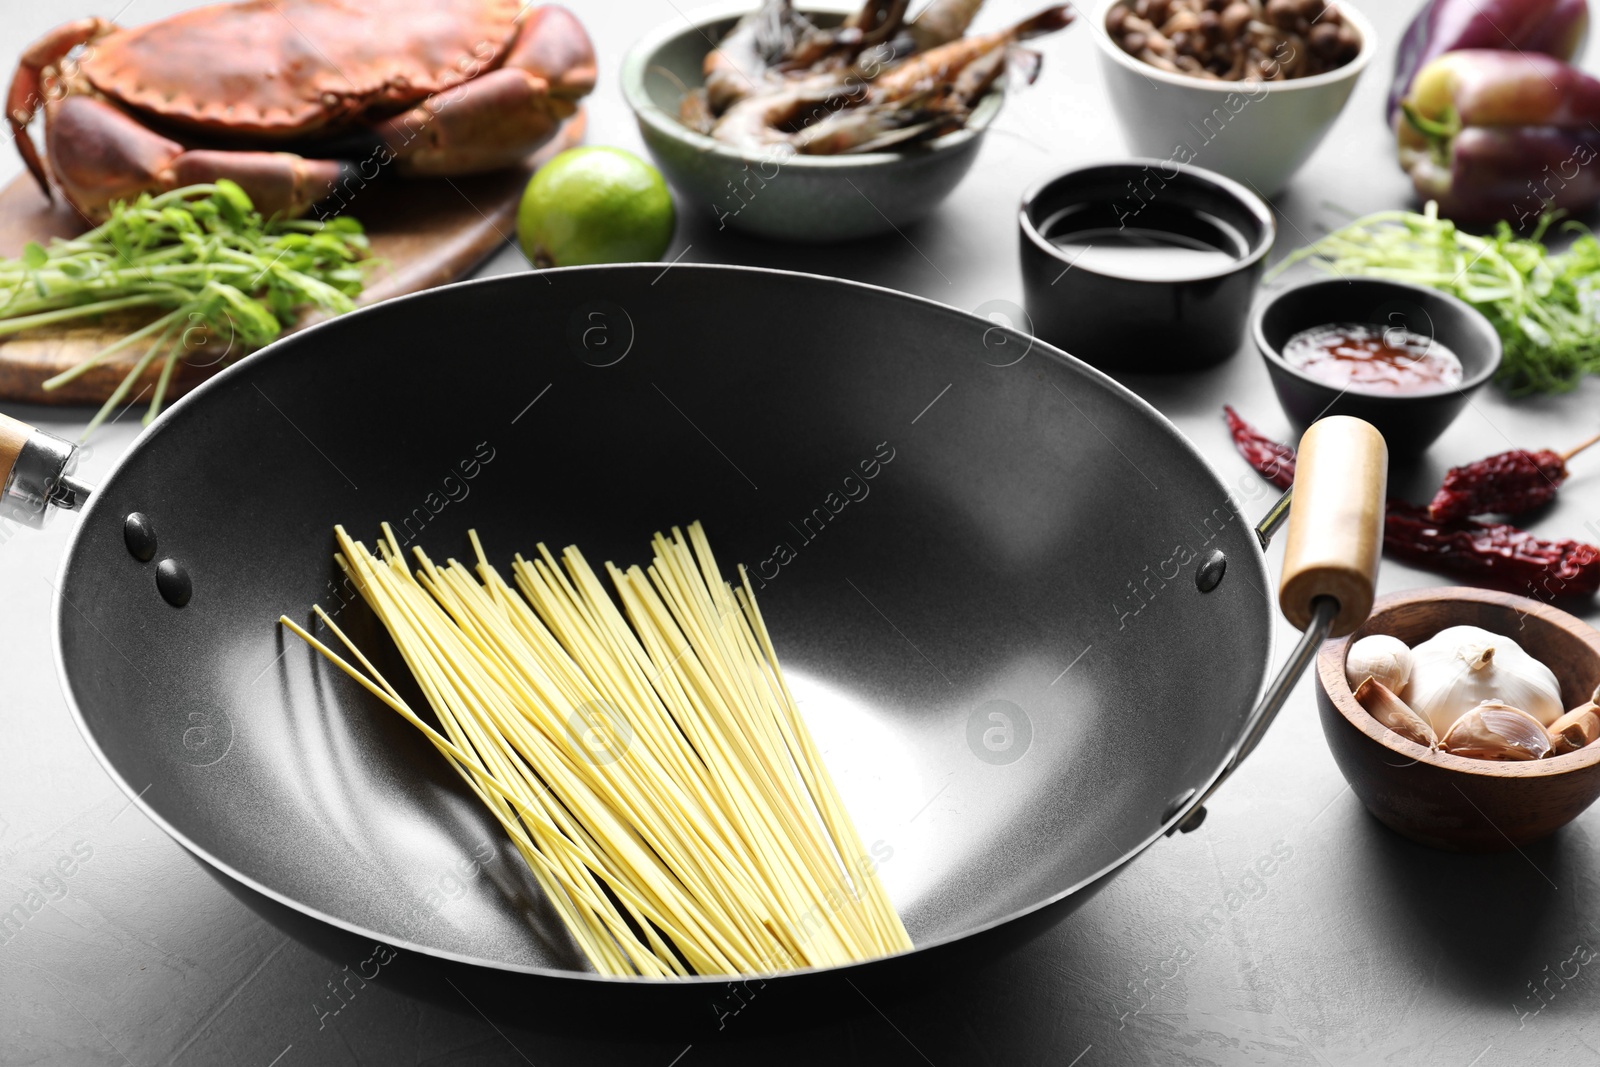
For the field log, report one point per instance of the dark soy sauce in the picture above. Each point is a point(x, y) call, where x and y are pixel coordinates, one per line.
point(1158, 243)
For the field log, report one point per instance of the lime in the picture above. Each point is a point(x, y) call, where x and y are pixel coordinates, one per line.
point(595, 205)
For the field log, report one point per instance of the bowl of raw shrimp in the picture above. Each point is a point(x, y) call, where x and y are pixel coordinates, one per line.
point(812, 126)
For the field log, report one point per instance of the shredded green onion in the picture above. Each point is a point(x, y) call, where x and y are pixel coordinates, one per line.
point(1546, 307)
point(204, 258)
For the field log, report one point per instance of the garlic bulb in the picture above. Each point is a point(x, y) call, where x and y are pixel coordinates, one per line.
point(1496, 731)
point(1462, 666)
point(1382, 657)
point(1392, 712)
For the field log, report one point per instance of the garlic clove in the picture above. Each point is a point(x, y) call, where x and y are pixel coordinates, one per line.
point(1388, 659)
point(1394, 713)
point(1578, 727)
point(1497, 731)
point(1575, 729)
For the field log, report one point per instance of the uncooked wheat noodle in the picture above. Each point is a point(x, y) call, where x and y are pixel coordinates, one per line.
point(642, 751)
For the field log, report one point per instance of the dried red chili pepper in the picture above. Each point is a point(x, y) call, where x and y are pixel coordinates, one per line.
point(1495, 553)
point(1509, 483)
point(1492, 553)
point(1271, 460)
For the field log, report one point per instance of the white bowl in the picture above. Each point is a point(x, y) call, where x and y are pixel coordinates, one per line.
point(1258, 133)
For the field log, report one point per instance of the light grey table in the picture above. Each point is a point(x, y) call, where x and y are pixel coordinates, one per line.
point(1357, 948)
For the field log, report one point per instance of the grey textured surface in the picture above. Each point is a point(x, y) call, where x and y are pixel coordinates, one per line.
point(1290, 928)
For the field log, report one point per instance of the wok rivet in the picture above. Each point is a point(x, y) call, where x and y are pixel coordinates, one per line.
point(1212, 568)
point(173, 583)
point(140, 536)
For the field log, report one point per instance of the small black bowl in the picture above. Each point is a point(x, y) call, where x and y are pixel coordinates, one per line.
point(1133, 317)
point(1410, 422)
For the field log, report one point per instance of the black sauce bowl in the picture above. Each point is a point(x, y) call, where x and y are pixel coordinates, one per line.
point(1123, 323)
point(1409, 422)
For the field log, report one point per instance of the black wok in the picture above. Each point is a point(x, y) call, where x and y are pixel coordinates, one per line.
point(1026, 621)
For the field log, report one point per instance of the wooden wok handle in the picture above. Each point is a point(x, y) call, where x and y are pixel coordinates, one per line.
point(13, 436)
point(1335, 522)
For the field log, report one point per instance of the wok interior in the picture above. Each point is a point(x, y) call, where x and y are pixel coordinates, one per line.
point(941, 533)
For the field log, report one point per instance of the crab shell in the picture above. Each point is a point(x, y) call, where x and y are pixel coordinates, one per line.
point(286, 69)
point(237, 90)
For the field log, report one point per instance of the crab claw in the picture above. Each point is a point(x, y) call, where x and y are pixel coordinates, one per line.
point(496, 119)
point(551, 44)
point(278, 183)
point(489, 122)
point(101, 155)
point(31, 86)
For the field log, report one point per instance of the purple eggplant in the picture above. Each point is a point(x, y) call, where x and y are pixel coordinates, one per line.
point(1551, 27)
point(1502, 135)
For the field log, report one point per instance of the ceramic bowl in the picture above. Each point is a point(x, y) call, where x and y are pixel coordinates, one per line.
point(1452, 802)
point(1258, 133)
point(776, 193)
point(1409, 422)
point(1122, 318)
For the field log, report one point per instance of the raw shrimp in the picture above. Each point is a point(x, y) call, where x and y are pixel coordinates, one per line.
point(781, 81)
point(873, 24)
point(694, 111)
point(774, 41)
point(941, 64)
point(879, 20)
point(769, 118)
point(977, 77)
point(743, 61)
point(873, 127)
point(941, 22)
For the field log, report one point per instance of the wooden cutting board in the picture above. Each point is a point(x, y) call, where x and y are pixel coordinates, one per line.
point(423, 233)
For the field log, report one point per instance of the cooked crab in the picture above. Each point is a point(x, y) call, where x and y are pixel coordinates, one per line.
point(290, 97)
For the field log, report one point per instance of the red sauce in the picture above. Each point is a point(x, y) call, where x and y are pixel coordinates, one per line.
point(1367, 358)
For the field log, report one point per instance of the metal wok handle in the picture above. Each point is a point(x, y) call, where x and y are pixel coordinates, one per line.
point(1330, 563)
point(36, 473)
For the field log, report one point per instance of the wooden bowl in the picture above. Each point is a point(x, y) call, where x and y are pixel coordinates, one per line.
point(1452, 802)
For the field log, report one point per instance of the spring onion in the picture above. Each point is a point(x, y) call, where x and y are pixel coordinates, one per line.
point(200, 258)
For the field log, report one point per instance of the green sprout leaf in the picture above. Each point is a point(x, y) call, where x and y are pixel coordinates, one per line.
point(201, 257)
